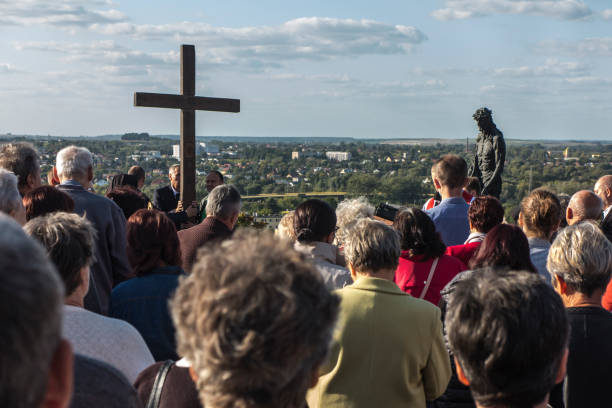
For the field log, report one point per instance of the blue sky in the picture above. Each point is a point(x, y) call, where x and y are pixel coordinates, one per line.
point(385, 69)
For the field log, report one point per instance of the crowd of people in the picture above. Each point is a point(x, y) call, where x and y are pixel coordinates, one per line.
point(123, 301)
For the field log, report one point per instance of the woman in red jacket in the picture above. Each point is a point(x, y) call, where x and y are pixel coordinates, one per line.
point(423, 268)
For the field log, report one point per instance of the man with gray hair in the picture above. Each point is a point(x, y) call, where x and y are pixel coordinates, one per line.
point(10, 200)
point(222, 209)
point(36, 362)
point(74, 169)
point(22, 159)
point(388, 349)
point(580, 260)
point(584, 205)
point(603, 188)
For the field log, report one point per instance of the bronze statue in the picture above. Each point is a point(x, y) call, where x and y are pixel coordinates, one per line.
point(490, 154)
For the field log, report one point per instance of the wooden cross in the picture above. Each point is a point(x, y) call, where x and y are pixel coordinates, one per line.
point(188, 103)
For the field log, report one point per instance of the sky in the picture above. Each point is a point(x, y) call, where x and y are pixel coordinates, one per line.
point(364, 69)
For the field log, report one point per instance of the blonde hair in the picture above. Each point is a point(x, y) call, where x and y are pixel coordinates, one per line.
point(285, 227)
point(541, 212)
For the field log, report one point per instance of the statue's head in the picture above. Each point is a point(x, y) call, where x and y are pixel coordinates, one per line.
point(483, 114)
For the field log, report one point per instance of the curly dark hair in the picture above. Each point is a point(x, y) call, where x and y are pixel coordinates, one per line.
point(128, 199)
point(505, 246)
point(418, 233)
point(151, 241)
point(255, 319)
point(21, 158)
point(485, 212)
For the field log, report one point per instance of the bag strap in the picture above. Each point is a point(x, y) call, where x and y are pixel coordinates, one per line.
point(429, 278)
point(158, 384)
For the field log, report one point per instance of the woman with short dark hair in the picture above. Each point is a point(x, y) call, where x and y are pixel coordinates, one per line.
point(314, 222)
point(505, 246)
point(46, 199)
point(423, 268)
point(154, 253)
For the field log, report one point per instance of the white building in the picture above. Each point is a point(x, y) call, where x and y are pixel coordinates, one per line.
point(208, 148)
point(176, 151)
point(338, 156)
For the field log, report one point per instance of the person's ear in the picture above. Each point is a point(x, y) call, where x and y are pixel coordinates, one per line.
point(521, 220)
point(352, 270)
point(562, 366)
point(55, 175)
point(60, 381)
point(460, 374)
point(437, 184)
point(31, 181)
point(89, 173)
point(569, 214)
point(560, 285)
point(193, 375)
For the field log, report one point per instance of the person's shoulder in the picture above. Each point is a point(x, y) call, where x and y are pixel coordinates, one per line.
point(97, 384)
point(452, 261)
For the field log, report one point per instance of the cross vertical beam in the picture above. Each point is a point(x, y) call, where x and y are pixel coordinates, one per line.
point(188, 132)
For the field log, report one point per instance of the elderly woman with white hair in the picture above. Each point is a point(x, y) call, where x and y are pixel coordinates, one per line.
point(388, 349)
point(10, 200)
point(580, 261)
point(348, 213)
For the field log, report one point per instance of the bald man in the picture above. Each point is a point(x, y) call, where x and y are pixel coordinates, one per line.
point(584, 205)
point(603, 188)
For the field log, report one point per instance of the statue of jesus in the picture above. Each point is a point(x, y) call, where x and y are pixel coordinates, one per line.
point(490, 154)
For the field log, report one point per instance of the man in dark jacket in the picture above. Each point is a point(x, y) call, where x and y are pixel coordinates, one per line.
point(74, 169)
point(167, 198)
point(603, 188)
point(223, 207)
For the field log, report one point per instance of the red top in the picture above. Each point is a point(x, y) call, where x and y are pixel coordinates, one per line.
point(463, 252)
point(606, 300)
point(412, 273)
point(431, 203)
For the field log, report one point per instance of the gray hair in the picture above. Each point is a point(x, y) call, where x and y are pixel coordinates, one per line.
point(31, 298)
point(21, 158)
point(73, 161)
point(372, 246)
point(348, 213)
point(10, 200)
point(172, 169)
point(582, 256)
point(69, 240)
point(223, 201)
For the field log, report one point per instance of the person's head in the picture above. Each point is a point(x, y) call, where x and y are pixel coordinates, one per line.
point(10, 200)
point(508, 331)
point(505, 246)
point(603, 188)
point(22, 159)
point(224, 202)
point(122, 180)
point(449, 172)
point(69, 241)
point(255, 320)
point(314, 221)
point(540, 214)
point(418, 233)
point(580, 260)
point(74, 163)
point(128, 199)
point(46, 199)
point(484, 117)
point(285, 227)
point(36, 363)
point(174, 175)
point(139, 173)
point(473, 186)
point(584, 205)
point(372, 248)
point(484, 213)
point(213, 179)
point(152, 241)
point(348, 213)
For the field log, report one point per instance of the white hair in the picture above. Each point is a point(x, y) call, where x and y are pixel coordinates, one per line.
point(31, 298)
point(73, 162)
point(582, 256)
point(223, 201)
point(348, 213)
point(10, 200)
point(372, 246)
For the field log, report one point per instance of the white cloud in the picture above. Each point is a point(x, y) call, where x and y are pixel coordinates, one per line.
point(315, 38)
point(589, 81)
point(59, 13)
point(587, 47)
point(562, 9)
point(607, 14)
point(7, 68)
point(551, 68)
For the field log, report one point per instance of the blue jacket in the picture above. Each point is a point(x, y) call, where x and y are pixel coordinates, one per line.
point(451, 219)
point(143, 302)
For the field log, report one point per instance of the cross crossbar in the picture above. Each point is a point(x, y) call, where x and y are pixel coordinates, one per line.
point(172, 101)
